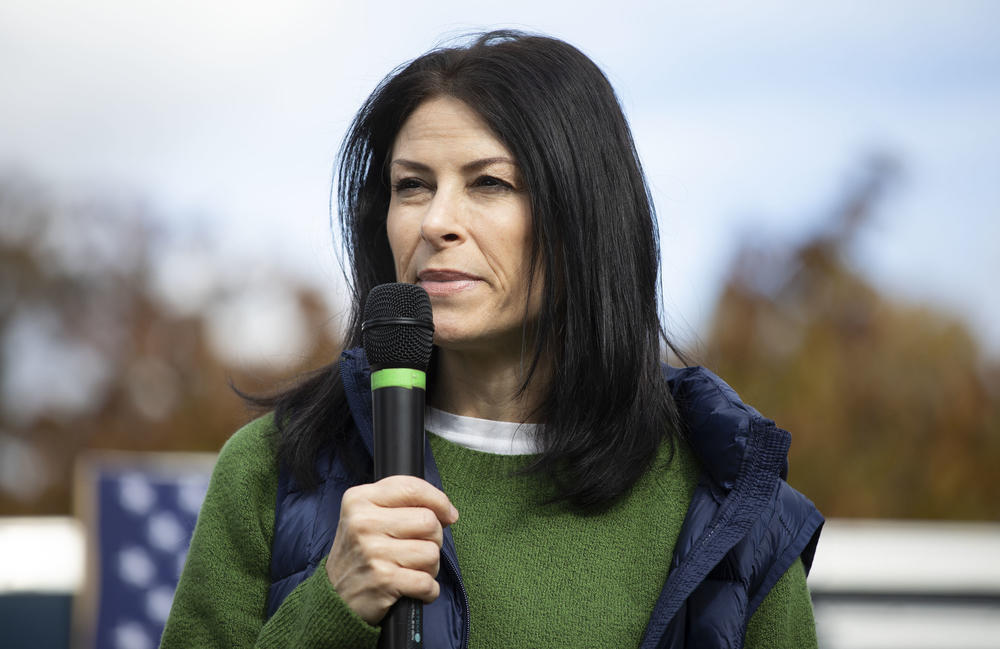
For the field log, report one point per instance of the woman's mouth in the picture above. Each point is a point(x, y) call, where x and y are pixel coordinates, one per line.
point(443, 282)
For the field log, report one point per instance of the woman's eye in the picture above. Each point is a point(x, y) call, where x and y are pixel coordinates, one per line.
point(491, 182)
point(407, 184)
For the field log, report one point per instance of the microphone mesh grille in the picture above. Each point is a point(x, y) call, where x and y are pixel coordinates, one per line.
point(395, 344)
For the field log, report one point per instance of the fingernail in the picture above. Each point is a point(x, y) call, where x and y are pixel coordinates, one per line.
point(454, 513)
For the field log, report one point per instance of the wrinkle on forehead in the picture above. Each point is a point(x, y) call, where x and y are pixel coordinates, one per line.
point(446, 119)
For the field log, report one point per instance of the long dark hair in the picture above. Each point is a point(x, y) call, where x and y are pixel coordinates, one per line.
point(607, 408)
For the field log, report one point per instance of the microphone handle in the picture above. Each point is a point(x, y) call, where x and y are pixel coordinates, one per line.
point(398, 424)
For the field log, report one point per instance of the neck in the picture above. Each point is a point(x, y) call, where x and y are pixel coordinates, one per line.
point(487, 387)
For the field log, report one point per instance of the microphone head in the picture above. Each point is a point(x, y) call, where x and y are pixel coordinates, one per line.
point(398, 329)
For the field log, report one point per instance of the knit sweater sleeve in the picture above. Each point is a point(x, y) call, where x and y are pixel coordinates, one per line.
point(221, 600)
point(784, 620)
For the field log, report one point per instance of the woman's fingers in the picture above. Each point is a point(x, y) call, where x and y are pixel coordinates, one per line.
point(407, 491)
point(424, 556)
point(418, 585)
point(413, 523)
point(400, 523)
point(388, 544)
point(372, 591)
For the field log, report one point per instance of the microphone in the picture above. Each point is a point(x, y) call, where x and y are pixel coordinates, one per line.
point(397, 335)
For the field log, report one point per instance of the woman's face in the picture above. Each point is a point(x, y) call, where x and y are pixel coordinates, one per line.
point(459, 225)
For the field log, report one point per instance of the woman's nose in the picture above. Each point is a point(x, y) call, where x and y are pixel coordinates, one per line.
point(442, 221)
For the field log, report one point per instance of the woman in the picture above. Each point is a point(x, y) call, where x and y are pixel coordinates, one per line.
point(605, 500)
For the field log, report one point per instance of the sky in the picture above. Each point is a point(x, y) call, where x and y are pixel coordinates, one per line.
point(750, 118)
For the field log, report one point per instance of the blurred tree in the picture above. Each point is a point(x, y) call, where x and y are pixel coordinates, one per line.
point(93, 356)
point(893, 408)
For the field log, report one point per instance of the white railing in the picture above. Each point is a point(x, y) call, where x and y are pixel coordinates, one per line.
point(916, 584)
point(876, 584)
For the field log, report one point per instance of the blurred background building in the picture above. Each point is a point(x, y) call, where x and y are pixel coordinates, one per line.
point(827, 184)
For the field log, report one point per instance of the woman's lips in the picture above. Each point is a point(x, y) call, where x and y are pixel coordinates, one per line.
point(439, 283)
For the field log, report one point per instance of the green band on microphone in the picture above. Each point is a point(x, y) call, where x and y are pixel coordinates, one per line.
point(399, 378)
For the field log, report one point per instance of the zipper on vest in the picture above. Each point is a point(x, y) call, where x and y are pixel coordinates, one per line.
point(465, 597)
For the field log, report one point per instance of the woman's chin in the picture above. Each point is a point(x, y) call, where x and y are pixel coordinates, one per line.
point(448, 339)
point(483, 329)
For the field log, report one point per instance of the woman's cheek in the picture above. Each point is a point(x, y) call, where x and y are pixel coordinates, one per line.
point(397, 246)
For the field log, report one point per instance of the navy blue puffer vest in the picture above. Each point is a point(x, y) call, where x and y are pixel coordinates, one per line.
point(745, 526)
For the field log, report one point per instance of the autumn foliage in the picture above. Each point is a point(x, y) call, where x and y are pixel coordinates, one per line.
point(894, 410)
point(93, 357)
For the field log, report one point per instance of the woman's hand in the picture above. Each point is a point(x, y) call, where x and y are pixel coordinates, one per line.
point(388, 544)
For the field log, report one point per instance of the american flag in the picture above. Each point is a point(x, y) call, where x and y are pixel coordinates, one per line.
point(143, 514)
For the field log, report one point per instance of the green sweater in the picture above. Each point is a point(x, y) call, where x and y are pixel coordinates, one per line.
point(567, 580)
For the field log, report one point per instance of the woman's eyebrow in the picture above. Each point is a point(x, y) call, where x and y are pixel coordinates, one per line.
point(475, 165)
point(468, 166)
